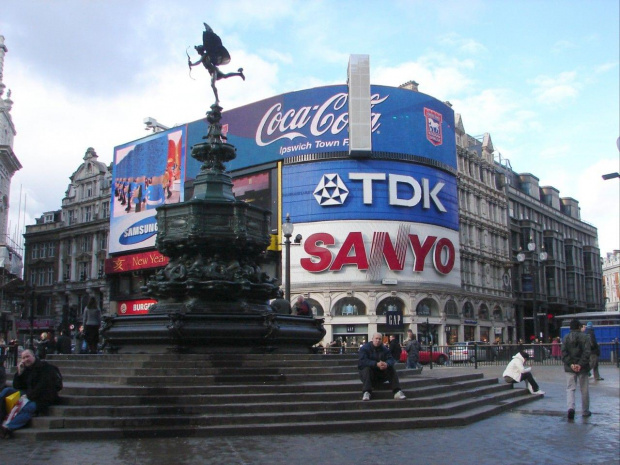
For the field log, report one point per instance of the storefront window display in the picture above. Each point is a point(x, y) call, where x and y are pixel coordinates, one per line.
point(349, 306)
point(485, 333)
point(390, 304)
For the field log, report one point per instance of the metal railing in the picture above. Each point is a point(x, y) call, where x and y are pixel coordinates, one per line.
point(501, 354)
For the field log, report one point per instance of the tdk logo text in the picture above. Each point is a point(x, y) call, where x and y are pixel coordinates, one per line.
point(331, 190)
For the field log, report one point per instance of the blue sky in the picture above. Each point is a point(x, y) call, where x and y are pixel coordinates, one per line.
point(542, 77)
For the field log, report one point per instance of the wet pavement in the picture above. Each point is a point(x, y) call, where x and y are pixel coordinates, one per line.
point(536, 433)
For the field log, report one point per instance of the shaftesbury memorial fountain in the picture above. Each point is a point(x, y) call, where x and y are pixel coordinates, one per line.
point(212, 296)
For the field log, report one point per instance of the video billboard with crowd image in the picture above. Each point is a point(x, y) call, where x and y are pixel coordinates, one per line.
point(147, 174)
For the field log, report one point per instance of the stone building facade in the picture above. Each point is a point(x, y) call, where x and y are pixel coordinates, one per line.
point(561, 271)
point(66, 249)
point(11, 264)
point(611, 281)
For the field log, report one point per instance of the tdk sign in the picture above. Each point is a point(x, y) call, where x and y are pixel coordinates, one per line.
point(383, 190)
point(332, 191)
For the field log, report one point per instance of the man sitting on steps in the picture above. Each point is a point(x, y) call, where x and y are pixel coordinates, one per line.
point(376, 366)
point(35, 379)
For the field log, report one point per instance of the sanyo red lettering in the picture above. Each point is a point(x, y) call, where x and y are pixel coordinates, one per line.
point(353, 252)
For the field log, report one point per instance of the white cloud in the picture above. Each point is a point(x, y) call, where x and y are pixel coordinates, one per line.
point(462, 44)
point(437, 76)
point(562, 46)
point(553, 90)
point(606, 67)
point(600, 201)
point(497, 111)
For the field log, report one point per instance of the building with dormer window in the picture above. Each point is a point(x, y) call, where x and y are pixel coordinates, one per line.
point(66, 249)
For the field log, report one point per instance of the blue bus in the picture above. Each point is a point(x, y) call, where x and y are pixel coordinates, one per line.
point(606, 329)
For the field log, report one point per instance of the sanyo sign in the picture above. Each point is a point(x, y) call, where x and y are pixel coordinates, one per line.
point(376, 250)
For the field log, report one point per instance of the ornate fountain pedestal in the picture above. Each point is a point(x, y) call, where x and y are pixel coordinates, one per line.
point(212, 296)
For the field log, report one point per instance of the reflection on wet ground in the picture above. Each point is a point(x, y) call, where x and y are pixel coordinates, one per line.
point(536, 433)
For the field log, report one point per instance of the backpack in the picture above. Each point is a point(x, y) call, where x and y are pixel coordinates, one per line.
point(57, 378)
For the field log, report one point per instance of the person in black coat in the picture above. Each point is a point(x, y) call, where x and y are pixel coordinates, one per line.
point(35, 379)
point(376, 366)
point(63, 344)
point(595, 350)
point(395, 348)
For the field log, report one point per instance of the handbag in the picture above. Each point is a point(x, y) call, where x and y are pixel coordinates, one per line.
point(403, 355)
point(11, 400)
point(23, 400)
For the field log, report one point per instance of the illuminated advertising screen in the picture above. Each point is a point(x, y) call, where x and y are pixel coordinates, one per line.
point(374, 251)
point(316, 121)
point(254, 189)
point(369, 189)
point(134, 307)
point(152, 171)
point(146, 174)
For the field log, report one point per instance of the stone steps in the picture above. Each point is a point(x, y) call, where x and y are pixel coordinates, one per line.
point(116, 396)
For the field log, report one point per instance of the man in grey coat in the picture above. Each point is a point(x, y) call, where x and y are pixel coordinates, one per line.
point(576, 358)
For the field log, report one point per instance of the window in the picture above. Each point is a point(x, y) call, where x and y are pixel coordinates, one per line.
point(88, 190)
point(106, 209)
point(51, 249)
point(390, 304)
point(349, 306)
point(84, 270)
point(35, 251)
point(468, 310)
point(72, 217)
point(86, 243)
point(50, 275)
point(103, 240)
point(451, 308)
point(483, 313)
point(88, 213)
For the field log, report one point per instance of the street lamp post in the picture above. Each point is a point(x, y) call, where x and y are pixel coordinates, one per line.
point(32, 302)
point(287, 230)
point(536, 260)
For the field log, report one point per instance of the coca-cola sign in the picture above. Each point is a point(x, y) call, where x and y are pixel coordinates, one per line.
point(316, 121)
point(330, 116)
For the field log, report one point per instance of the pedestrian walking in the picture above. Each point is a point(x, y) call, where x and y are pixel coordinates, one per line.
point(92, 322)
point(576, 358)
point(595, 351)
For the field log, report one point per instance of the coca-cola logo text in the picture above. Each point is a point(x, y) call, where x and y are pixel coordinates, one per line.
point(278, 123)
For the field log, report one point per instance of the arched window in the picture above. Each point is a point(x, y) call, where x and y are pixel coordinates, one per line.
point(317, 309)
point(468, 310)
point(391, 303)
point(427, 307)
point(451, 309)
point(497, 314)
point(483, 312)
point(349, 306)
